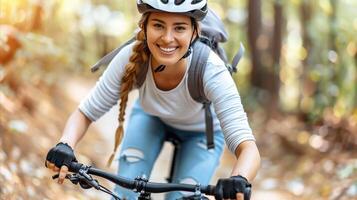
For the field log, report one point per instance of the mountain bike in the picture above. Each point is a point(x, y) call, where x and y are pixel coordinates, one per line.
point(82, 175)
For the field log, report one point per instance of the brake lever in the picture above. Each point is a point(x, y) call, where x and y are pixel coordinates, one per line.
point(57, 175)
point(86, 178)
point(74, 178)
point(86, 181)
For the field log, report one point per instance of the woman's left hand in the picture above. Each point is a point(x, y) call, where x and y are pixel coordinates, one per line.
point(235, 187)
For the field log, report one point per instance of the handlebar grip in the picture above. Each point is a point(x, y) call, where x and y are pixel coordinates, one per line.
point(210, 190)
point(247, 193)
point(74, 167)
point(219, 196)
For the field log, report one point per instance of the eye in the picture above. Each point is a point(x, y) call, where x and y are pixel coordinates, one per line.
point(180, 28)
point(158, 26)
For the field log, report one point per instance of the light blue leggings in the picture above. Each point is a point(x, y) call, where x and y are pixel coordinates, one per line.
point(142, 144)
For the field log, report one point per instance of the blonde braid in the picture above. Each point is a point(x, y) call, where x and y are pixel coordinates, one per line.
point(139, 56)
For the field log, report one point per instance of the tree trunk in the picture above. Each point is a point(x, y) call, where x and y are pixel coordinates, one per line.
point(274, 85)
point(337, 67)
point(254, 29)
point(278, 31)
point(308, 87)
point(37, 17)
point(355, 81)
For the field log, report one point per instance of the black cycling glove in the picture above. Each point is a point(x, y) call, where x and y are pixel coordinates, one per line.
point(228, 188)
point(61, 154)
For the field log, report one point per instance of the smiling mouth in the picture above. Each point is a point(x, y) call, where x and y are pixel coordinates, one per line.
point(168, 50)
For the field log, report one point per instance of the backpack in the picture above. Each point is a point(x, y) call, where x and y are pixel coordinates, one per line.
point(212, 34)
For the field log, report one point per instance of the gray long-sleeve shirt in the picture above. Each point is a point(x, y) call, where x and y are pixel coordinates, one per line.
point(176, 107)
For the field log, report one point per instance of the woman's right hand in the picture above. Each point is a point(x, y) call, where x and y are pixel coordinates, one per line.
point(59, 158)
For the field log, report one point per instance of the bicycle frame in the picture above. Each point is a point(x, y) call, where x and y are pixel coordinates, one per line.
point(140, 185)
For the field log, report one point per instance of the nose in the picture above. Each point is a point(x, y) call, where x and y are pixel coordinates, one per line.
point(168, 36)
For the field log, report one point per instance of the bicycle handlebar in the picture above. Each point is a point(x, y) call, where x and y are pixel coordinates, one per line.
point(141, 184)
point(82, 176)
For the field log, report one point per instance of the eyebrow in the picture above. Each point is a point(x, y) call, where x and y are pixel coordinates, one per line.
point(177, 23)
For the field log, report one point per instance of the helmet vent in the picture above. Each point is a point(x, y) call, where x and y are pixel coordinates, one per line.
point(196, 1)
point(165, 1)
point(179, 2)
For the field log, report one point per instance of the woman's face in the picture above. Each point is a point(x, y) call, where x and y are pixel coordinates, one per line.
point(168, 37)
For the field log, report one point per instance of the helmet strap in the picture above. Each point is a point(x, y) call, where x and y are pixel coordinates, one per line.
point(159, 68)
point(189, 50)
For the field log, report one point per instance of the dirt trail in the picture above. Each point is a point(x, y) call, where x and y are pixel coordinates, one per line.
point(77, 88)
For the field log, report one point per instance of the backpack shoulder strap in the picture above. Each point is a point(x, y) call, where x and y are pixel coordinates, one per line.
point(140, 76)
point(201, 51)
point(195, 85)
point(109, 57)
point(232, 68)
point(195, 73)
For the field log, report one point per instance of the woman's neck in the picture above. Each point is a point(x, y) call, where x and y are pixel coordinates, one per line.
point(170, 70)
point(171, 76)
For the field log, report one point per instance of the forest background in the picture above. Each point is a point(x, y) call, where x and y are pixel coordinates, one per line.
point(297, 80)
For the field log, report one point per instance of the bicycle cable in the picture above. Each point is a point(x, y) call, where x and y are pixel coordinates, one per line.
point(86, 182)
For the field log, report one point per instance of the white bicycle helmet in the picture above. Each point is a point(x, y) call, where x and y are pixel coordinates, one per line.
point(193, 8)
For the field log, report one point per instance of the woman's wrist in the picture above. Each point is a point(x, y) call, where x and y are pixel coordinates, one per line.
point(68, 142)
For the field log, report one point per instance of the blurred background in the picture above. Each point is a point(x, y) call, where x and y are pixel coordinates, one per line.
point(297, 80)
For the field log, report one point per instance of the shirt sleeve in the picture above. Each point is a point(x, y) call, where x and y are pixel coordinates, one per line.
point(219, 87)
point(105, 94)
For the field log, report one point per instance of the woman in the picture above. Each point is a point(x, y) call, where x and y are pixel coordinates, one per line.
point(163, 44)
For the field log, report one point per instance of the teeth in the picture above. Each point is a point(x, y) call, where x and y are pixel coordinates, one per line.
point(167, 49)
